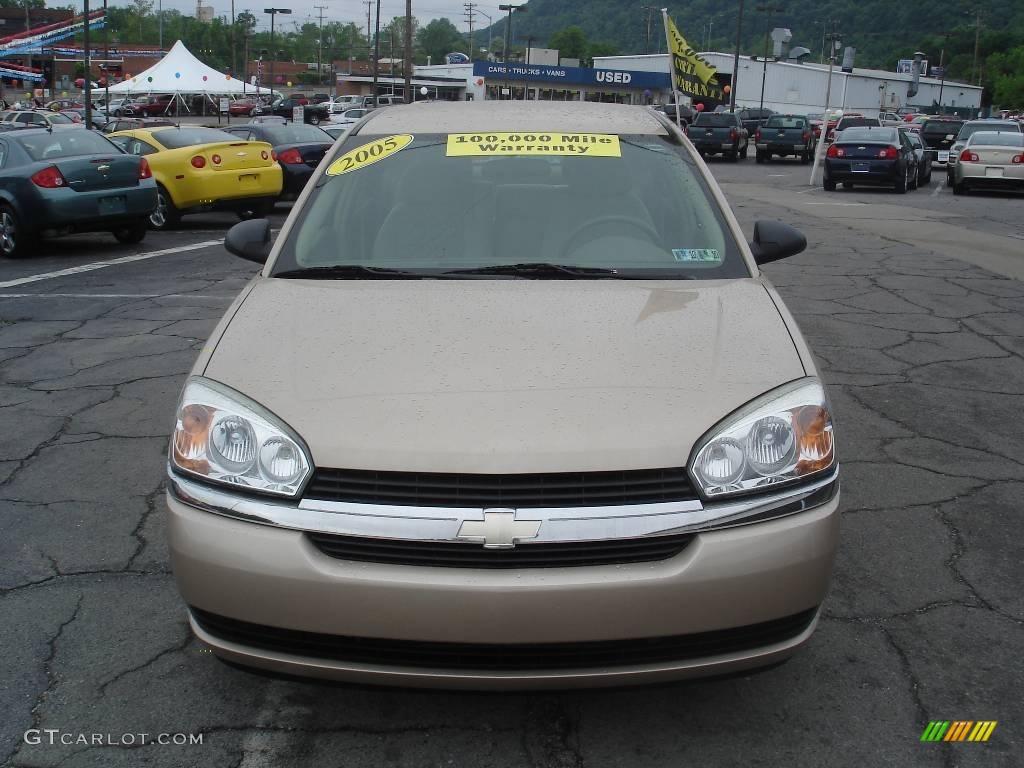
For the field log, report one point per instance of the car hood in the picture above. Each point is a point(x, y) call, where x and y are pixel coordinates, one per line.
point(504, 376)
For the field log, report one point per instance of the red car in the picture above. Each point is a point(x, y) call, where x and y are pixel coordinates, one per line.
point(241, 107)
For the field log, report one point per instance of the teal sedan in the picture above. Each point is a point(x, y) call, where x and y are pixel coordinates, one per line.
point(60, 181)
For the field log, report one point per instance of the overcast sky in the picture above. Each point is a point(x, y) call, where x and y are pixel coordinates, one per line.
point(337, 10)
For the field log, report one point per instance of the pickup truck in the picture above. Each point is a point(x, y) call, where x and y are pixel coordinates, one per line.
point(719, 133)
point(314, 114)
point(784, 135)
point(938, 135)
point(753, 118)
point(853, 120)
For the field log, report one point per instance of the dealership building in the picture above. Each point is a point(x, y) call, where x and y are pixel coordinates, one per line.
point(481, 80)
point(790, 86)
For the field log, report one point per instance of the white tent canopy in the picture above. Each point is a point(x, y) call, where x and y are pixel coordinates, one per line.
point(180, 72)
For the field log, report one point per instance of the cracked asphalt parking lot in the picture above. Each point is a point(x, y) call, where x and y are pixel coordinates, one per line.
point(913, 305)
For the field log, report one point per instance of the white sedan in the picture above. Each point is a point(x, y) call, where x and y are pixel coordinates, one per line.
point(349, 116)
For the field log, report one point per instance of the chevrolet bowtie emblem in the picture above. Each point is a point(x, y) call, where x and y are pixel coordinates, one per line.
point(499, 529)
point(103, 168)
point(240, 154)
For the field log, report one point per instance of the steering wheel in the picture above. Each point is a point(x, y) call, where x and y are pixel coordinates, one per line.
point(591, 230)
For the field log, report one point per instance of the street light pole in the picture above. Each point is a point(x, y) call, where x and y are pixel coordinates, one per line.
point(508, 37)
point(85, 56)
point(106, 57)
point(273, 51)
point(736, 59)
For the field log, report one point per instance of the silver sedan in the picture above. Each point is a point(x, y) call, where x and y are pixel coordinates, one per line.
point(990, 160)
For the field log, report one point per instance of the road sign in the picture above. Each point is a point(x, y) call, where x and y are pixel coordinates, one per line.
point(224, 104)
point(299, 114)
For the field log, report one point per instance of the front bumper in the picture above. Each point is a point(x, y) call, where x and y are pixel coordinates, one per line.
point(728, 579)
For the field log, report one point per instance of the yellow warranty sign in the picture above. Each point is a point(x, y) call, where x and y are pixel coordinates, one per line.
point(492, 144)
point(368, 154)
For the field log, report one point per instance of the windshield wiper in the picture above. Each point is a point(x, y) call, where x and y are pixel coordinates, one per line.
point(538, 269)
point(353, 271)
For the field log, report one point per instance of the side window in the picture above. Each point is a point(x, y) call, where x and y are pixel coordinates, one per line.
point(121, 142)
point(24, 117)
point(3, 154)
point(140, 147)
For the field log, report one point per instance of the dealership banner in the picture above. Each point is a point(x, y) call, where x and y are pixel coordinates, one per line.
point(690, 73)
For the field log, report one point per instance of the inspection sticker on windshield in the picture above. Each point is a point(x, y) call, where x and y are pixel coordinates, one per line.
point(491, 144)
point(708, 256)
point(368, 154)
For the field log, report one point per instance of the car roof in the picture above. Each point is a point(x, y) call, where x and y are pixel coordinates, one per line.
point(470, 117)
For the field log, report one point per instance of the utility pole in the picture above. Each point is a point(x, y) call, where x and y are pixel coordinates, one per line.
point(768, 11)
point(470, 15)
point(320, 46)
point(273, 51)
point(369, 31)
point(736, 60)
point(376, 54)
point(977, 40)
point(650, 12)
point(106, 57)
point(407, 56)
point(234, 46)
point(942, 81)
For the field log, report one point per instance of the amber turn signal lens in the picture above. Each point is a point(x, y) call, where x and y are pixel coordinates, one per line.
point(191, 436)
point(814, 438)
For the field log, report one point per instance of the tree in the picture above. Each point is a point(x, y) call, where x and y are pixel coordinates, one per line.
point(438, 38)
point(600, 49)
point(1007, 72)
point(570, 42)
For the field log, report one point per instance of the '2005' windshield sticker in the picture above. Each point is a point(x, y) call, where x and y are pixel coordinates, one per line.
point(548, 144)
point(708, 257)
point(369, 153)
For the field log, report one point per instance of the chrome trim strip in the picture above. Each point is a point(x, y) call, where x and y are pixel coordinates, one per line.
point(557, 524)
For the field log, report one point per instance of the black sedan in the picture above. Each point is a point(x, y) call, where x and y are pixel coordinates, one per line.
point(62, 180)
point(871, 155)
point(297, 148)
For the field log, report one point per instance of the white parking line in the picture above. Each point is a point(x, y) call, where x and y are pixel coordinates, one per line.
point(777, 175)
point(111, 263)
point(942, 186)
point(842, 205)
point(114, 296)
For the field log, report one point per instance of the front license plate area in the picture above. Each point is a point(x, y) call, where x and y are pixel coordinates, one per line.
point(112, 205)
point(861, 167)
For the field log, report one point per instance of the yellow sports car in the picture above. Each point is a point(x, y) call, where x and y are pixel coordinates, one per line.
point(202, 169)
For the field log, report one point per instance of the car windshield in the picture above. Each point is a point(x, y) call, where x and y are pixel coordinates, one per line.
point(43, 145)
point(715, 120)
point(993, 139)
point(941, 128)
point(637, 205)
point(786, 121)
point(176, 138)
point(294, 133)
point(969, 129)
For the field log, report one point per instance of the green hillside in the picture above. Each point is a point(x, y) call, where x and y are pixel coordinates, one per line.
point(882, 31)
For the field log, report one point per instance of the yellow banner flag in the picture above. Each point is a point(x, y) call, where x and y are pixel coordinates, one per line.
point(690, 73)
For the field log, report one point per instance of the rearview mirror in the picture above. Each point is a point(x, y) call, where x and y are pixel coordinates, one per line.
point(773, 240)
point(250, 240)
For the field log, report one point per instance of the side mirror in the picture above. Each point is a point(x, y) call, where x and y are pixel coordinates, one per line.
point(250, 240)
point(772, 241)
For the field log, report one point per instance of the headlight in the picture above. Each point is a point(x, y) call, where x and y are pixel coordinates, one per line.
point(223, 436)
point(783, 436)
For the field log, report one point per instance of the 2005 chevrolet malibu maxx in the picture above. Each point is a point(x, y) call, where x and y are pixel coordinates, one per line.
point(510, 404)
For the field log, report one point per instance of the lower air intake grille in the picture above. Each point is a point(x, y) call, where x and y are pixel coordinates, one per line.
point(501, 657)
point(457, 554)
